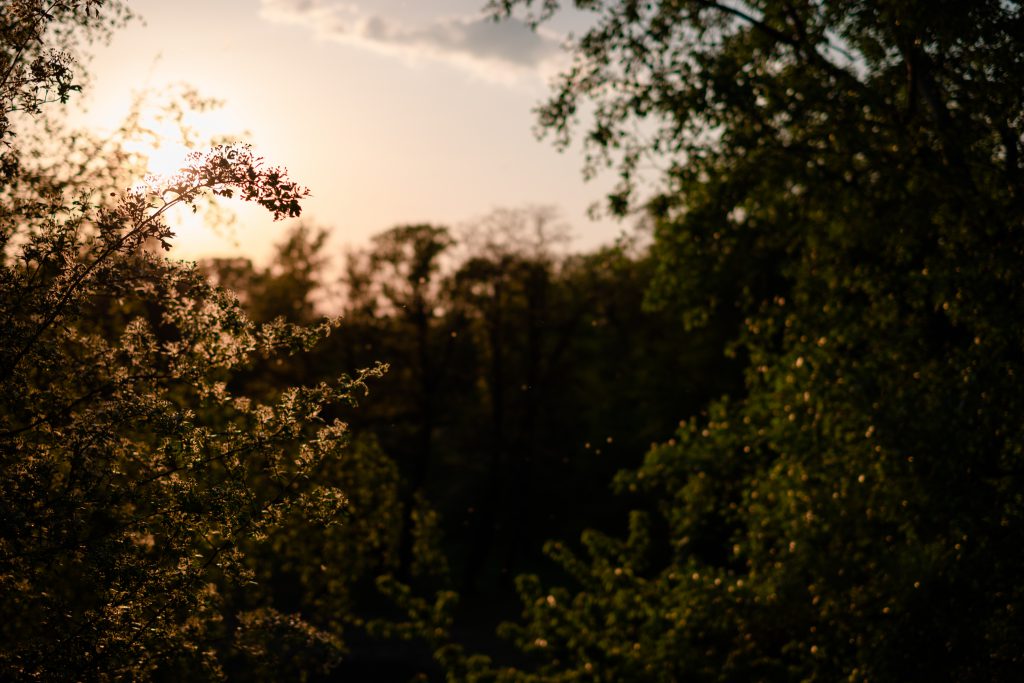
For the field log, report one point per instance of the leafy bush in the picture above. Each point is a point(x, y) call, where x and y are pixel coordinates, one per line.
point(134, 475)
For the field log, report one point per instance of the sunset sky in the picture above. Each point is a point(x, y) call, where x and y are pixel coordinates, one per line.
point(391, 111)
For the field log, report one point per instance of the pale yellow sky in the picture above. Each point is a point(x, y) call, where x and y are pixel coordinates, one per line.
point(391, 111)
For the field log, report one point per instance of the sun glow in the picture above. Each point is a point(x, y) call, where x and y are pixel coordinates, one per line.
point(159, 140)
point(165, 156)
point(161, 137)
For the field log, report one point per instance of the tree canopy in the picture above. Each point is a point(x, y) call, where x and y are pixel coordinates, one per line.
point(841, 180)
point(823, 340)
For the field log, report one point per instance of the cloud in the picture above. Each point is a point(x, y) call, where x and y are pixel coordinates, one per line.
point(500, 51)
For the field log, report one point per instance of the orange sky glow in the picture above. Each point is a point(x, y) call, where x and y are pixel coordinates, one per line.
point(390, 111)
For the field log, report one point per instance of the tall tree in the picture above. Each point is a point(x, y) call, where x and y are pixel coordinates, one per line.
point(841, 179)
point(399, 278)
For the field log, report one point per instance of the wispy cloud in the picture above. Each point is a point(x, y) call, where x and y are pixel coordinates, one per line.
point(500, 51)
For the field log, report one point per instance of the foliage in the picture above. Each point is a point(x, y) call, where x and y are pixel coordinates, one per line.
point(839, 209)
point(497, 355)
point(134, 476)
point(844, 182)
point(39, 44)
point(509, 340)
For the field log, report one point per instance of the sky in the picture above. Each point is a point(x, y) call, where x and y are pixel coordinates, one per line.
point(390, 111)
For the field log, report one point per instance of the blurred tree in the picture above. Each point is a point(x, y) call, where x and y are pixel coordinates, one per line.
point(327, 573)
point(565, 328)
point(405, 263)
point(524, 451)
point(502, 288)
point(842, 180)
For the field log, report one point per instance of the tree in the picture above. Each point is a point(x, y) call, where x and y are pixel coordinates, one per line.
point(398, 279)
point(552, 331)
point(842, 181)
point(133, 476)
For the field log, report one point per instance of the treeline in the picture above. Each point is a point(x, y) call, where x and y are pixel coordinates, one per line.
point(521, 378)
